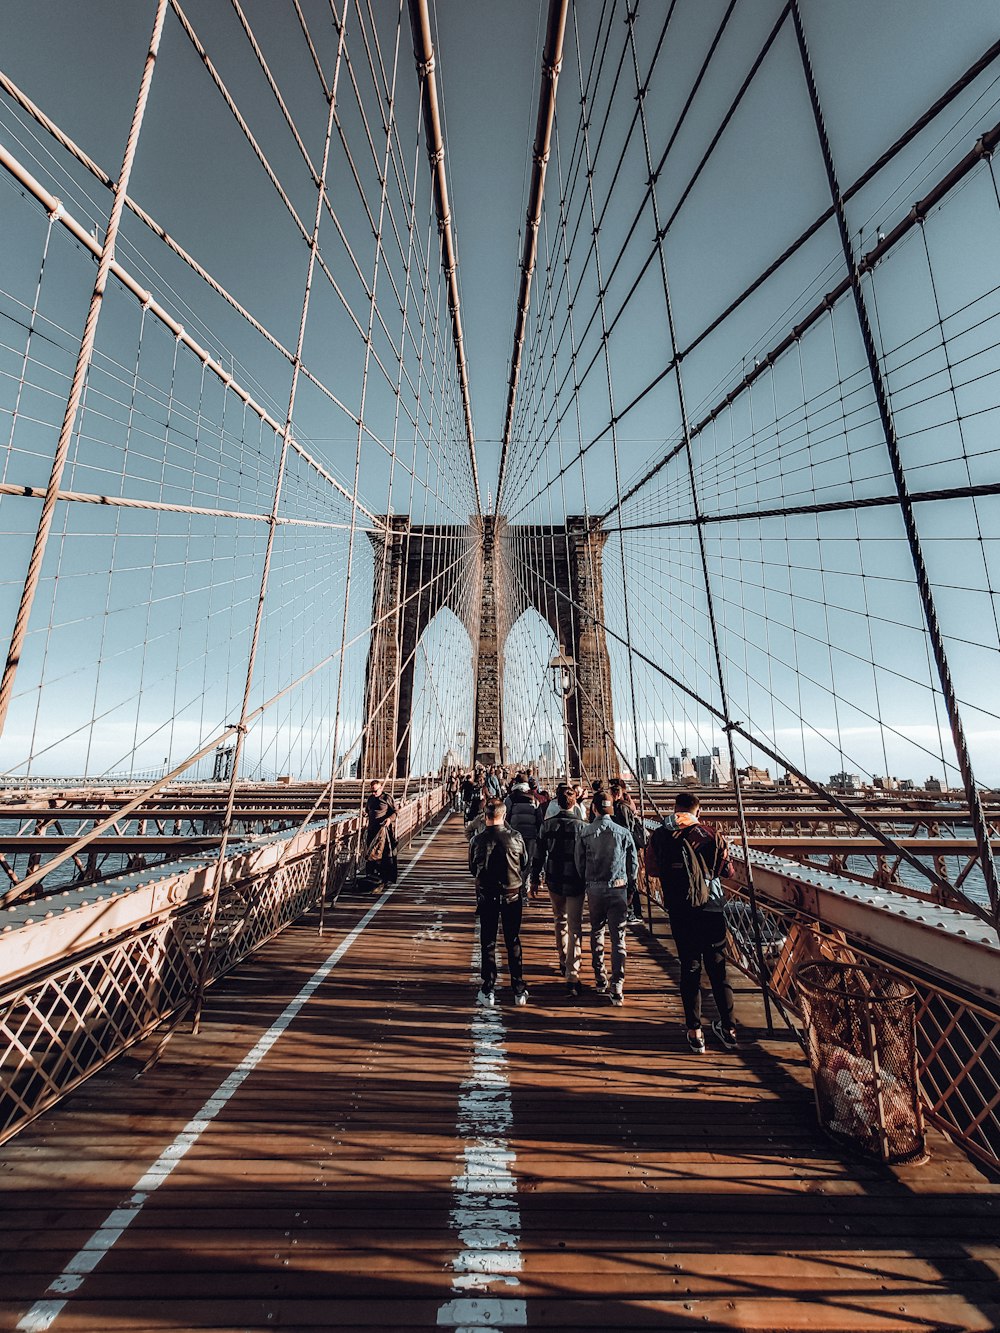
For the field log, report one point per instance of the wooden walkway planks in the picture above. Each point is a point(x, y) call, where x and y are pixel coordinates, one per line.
point(653, 1187)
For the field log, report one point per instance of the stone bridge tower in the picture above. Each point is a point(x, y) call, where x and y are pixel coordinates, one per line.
point(488, 574)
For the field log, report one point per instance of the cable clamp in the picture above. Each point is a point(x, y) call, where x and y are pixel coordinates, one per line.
point(426, 67)
point(57, 212)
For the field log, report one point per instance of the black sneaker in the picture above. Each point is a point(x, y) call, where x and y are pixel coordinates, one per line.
point(601, 985)
point(725, 1036)
point(617, 997)
point(696, 1041)
point(574, 990)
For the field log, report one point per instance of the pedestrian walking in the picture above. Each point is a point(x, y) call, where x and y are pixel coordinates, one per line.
point(522, 813)
point(689, 858)
point(379, 838)
point(596, 789)
point(499, 862)
point(576, 809)
point(606, 859)
point(555, 857)
point(626, 814)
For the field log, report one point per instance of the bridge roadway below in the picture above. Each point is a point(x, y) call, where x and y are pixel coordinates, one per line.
point(384, 1154)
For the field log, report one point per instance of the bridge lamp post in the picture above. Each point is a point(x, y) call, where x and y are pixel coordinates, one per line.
point(562, 671)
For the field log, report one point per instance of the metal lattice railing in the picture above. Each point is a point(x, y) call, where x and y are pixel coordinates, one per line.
point(63, 1023)
point(958, 1037)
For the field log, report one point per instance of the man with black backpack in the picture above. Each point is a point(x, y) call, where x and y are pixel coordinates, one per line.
point(555, 856)
point(688, 858)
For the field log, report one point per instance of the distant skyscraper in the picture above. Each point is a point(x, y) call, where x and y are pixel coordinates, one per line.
point(663, 769)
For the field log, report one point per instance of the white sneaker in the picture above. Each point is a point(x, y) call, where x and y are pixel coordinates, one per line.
point(486, 998)
point(521, 997)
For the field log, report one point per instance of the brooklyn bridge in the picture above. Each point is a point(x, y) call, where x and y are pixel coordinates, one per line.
point(412, 396)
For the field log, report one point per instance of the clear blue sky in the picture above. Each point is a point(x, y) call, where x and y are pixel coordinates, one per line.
point(820, 628)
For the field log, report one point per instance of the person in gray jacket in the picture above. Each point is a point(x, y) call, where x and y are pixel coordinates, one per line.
point(607, 860)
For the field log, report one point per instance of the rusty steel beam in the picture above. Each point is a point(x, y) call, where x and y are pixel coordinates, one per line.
point(938, 940)
point(551, 65)
point(123, 844)
point(848, 846)
point(423, 51)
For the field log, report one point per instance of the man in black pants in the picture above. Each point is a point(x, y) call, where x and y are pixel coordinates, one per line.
point(380, 837)
point(688, 857)
point(499, 861)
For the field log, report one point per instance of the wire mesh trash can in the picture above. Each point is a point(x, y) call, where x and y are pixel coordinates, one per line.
point(862, 1041)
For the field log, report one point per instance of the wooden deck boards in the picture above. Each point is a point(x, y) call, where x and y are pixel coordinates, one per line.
point(654, 1188)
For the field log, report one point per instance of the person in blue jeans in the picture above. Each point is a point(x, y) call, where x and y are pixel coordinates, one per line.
point(609, 866)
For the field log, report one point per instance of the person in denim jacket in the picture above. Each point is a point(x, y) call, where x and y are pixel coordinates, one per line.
point(609, 865)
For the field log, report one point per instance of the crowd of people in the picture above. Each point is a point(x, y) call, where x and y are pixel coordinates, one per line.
point(583, 848)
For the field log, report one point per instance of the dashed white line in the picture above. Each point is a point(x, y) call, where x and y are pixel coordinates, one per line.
point(486, 1216)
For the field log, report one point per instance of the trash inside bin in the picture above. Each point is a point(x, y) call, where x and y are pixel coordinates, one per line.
point(861, 1030)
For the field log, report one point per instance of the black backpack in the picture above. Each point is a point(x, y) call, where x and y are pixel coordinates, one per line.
point(629, 818)
point(699, 855)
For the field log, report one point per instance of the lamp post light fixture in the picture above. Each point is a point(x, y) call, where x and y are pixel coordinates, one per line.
point(562, 673)
point(562, 670)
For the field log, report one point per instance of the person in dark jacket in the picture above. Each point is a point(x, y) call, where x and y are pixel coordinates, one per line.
point(554, 857)
point(380, 837)
point(474, 805)
point(522, 814)
point(626, 814)
point(499, 862)
point(688, 857)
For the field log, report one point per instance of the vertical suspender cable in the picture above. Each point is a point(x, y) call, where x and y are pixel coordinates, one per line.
point(83, 360)
point(241, 730)
point(699, 528)
point(976, 814)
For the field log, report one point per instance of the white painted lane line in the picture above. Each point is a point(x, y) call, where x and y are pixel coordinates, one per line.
point(44, 1312)
point(486, 1216)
